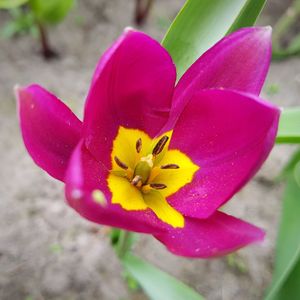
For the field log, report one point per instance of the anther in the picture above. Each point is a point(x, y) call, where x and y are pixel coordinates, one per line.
point(135, 181)
point(160, 145)
point(158, 186)
point(169, 166)
point(120, 163)
point(138, 145)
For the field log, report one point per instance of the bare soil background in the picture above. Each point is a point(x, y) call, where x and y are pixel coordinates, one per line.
point(46, 250)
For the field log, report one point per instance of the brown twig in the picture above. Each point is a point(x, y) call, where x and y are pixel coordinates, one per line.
point(47, 51)
point(142, 9)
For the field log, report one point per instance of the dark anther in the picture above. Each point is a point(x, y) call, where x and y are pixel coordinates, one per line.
point(138, 145)
point(169, 166)
point(160, 145)
point(158, 186)
point(136, 180)
point(120, 163)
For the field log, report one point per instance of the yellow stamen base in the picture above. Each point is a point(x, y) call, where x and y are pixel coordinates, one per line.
point(146, 183)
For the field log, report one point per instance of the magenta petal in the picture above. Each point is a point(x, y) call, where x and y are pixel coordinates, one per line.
point(239, 61)
point(84, 175)
point(229, 135)
point(49, 128)
point(132, 87)
point(218, 235)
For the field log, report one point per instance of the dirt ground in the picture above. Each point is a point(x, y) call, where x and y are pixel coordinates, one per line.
point(46, 250)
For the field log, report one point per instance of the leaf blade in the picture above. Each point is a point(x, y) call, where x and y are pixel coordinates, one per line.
point(291, 288)
point(289, 126)
point(9, 4)
point(197, 27)
point(157, 284)
point(288, 241)
point(248, 14)
point(201, 23)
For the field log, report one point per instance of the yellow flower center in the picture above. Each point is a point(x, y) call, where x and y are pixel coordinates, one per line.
point(144, 173)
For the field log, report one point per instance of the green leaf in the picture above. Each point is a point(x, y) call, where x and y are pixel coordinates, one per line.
point(297, 173)
point(201, 23)
point(291, 288)
point(21, 22)
point(8, 4)
point(157, 284)
point(289, 126)
point(288, 245)
point(125, 242)
point(295, 45)
point(289, 168)
point(114, 236)
point(248, 14)
point(51, 11)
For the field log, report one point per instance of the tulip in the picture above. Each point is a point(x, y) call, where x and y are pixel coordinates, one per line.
point(157, 157)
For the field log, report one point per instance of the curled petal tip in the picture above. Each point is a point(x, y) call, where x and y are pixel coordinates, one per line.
point(268, 28)
point(259, 235)
point(262, 235)
point(128, 29)
point(265, 31)
point(17, 90)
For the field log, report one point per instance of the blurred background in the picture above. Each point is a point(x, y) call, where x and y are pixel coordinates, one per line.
point(46, 250)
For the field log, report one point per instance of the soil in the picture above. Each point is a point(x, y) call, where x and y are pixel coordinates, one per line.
point(46, 250)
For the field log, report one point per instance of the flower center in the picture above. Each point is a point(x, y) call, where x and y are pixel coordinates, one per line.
point(144, 174)
point(145, 171)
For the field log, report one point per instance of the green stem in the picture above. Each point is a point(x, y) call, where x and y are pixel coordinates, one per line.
point(123, 245)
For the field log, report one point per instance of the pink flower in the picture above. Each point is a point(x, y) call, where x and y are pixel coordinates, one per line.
point(157, 158)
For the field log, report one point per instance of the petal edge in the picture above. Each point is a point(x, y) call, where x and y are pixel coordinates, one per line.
point(50, 130)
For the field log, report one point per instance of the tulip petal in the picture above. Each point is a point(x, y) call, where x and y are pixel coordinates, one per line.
point(132, 87)
point(218, 235)
point(49, 128)
point(87, 178)
point(240, 61)
point(228, 135)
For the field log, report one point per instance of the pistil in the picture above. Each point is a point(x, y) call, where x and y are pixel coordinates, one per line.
point(143, 169)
